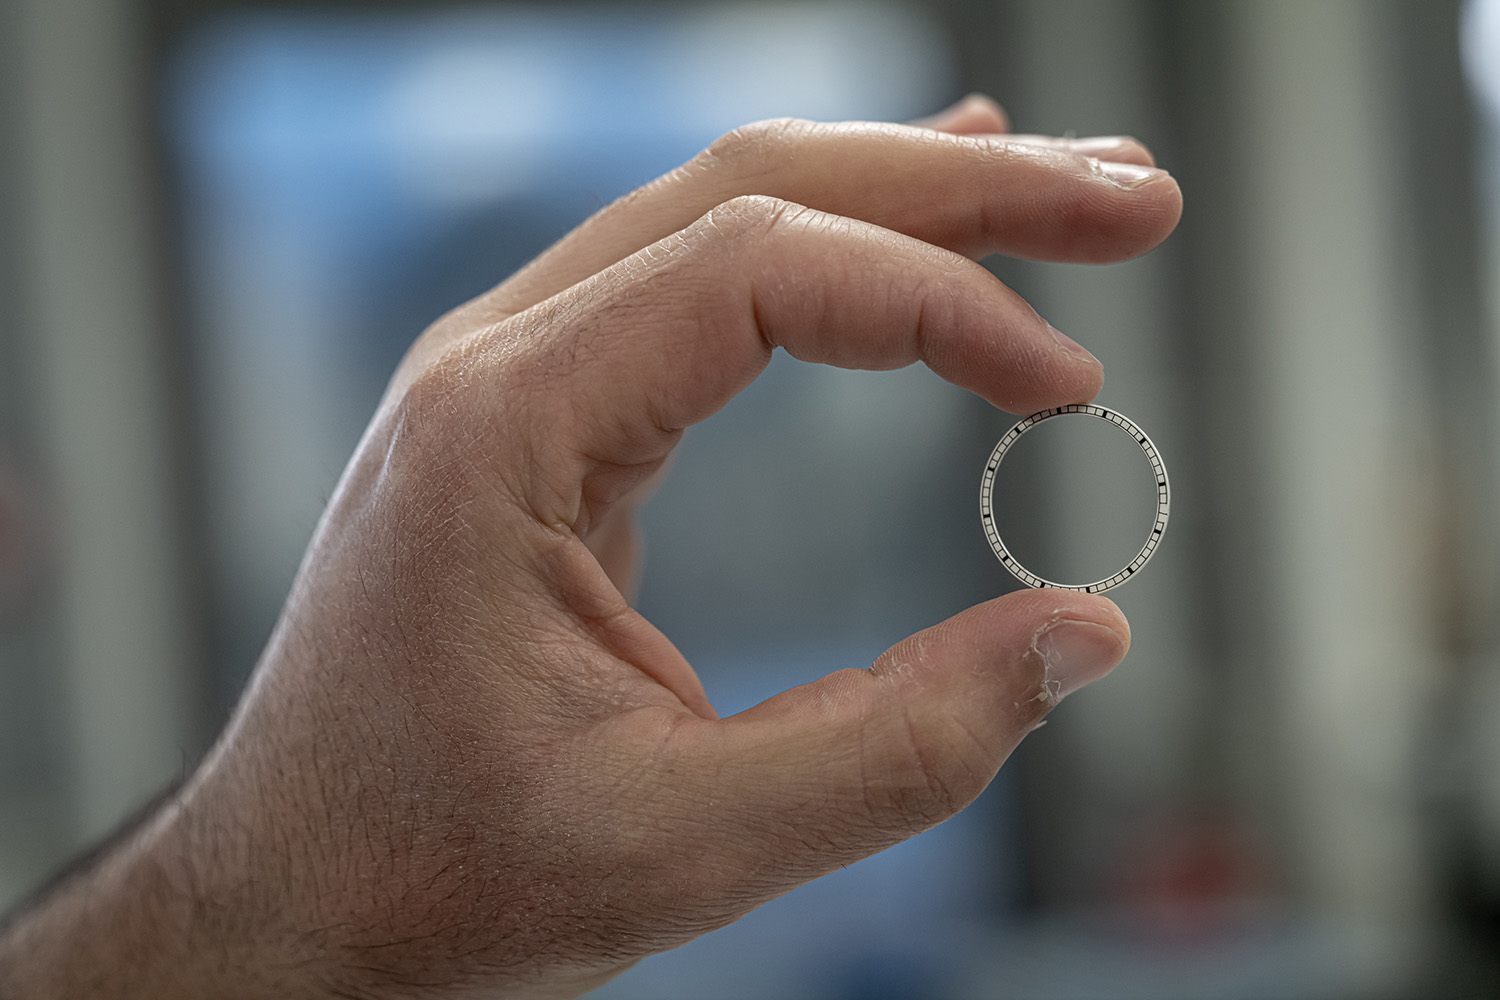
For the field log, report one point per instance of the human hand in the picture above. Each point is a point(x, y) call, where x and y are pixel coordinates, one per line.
point(465, 766)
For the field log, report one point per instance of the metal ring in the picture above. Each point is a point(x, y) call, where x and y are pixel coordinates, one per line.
point(987, 497)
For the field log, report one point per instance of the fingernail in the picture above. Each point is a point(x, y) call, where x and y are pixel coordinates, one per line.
point(1072, 345)
point(1075, 654)
point(1098, 145)
point(1128, 175)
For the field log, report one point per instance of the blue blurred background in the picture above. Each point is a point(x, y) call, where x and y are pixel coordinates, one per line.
point(221, 224)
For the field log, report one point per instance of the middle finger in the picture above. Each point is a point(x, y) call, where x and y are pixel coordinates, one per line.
point(1043, 199)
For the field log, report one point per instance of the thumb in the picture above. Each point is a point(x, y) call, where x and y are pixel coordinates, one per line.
point(833, 771)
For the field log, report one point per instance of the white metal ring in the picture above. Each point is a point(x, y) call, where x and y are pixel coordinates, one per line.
point(987, 497)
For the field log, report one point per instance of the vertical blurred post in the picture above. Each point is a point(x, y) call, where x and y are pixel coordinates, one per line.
point(95, 329)
point(1334, 323)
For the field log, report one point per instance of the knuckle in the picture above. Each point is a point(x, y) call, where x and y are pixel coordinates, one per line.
point(434, 401)
point(757, 147)
point(442, 426)
point(747, 215)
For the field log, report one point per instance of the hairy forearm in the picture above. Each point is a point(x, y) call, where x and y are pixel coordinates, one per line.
point(134, 918)
point(198, 898)
point(98, 928)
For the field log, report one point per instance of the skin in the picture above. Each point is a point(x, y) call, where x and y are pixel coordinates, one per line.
point(465, 766)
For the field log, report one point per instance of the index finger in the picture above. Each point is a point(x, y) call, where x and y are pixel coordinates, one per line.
point(612, 370)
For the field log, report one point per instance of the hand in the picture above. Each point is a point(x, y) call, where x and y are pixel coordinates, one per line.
point(465, 766)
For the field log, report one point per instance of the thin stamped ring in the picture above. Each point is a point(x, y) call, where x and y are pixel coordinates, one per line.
point(987, 498)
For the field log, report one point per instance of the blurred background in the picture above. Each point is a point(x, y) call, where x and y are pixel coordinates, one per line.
point(222, 222)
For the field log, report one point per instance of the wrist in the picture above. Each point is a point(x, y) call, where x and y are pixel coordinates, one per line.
point(145, 917)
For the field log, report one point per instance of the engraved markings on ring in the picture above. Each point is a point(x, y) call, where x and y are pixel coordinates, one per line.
point(987, 497)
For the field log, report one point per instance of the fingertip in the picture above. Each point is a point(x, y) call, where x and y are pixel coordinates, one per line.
point(1024, 613)
point(1080, 638)
point(972, 114)
point(1171, 194)
point(1023, 371)
point(1155, 187)
point(1131, 210)
point(1062, 205)
point(1113, 617)
point(1162, 212)
point(1050, 643)
point(984, 113)
point(1002, 635)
